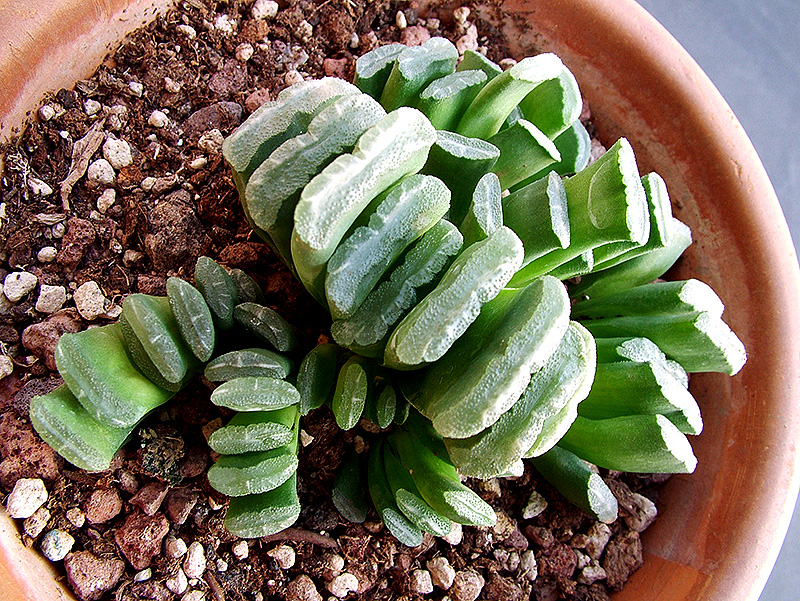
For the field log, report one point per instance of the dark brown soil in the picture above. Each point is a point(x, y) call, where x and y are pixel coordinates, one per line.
point(174, 202)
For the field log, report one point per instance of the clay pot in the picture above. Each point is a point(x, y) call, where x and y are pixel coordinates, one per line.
point(720, 529)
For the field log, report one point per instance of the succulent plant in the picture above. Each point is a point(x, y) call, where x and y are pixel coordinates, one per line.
point(435, 212)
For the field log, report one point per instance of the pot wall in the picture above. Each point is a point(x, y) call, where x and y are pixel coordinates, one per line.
point(721, 528)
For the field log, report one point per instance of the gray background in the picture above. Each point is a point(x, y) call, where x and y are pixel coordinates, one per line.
point(751, 51)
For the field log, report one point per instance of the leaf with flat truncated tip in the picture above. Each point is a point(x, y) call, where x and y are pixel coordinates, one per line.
point(73, 433)
point(316, 377)
point(408, 498)
point(97, 370)
point(393, 148)
point(489, 367)
point(276, 121)
point(554, 105)
point(445, 98)
point(474, 278)
point(153, 323)
point(253, 393)
point(524, 150)
point(495, 450)
point(409, 209)
point(460, 162)
point(485, 212)
point(254, 516)
point(218, 290)
point(374, 67)
point(641, 387)
point(193, 317)
point(383, 500)
point(274, 188)
point(367, 330)
point(414, 68)
point(439, 483)
point(252, 473)
point(247, 289)
point(574, 145)
point(638, 270)
point(574, 479)
point(141, 359)
point(488, 112)
point(250, 431)
point(248, 362)
point(648, 444)
point(352, 390)
point(267, 325)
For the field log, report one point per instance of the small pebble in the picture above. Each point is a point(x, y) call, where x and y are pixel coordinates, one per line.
point(46, 112)
point(305, 30)
point(100, 173)
point(56, 544)
point(468, 41)
point(455, 535)
point(332, 565)
point(171, 86)
point(264, 9)
point(303, 588)
point(527, 566)
point(420, 582)
point(158, 119)
point(6, 364)
point(354, 40)
point(211, 141)
point(106, 200)
point(76, 517)
point(507, 63)
point(461, 14)
point(34, 525)
point(148, 183)
point(433, 23)
point(194, 596)
point(174, 547)
point(103, 505)
point(51, 298)
point(535, 506)
point(143, 576)
point(177, 583)
point(284, 556)
point(198, 163)
point(400, 20)
point(305, 438)
point(222, 565)
point(645, 513)
point(597, 538)
point(117, 152)
point(27, 496)
point(415, 35)
point(244, 52)
point(442, 573)
point(89, 300)
point(592, 573)
point(92, 107)
point(136, 88)
point(224, 24)
point(342, 585)
point(58, 230)
point(47, 254)
point(240, 549)
point(187, 30)
point(194, 564)
point(150, 496)
point(467, 586)
point(18, 284)
point(39, 187)
point(292, 77)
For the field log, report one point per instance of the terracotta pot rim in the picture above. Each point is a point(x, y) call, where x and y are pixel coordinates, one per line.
point(597, 30)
